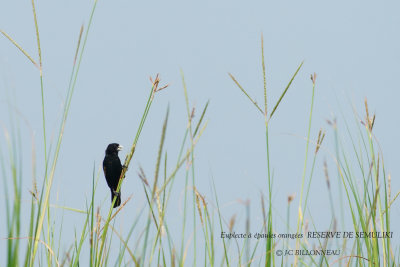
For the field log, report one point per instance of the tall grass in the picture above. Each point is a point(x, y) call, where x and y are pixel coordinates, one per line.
point(151, 240)
point(269, 260)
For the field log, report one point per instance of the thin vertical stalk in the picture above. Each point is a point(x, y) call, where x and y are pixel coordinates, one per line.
point(301, 212)
point(48, 182)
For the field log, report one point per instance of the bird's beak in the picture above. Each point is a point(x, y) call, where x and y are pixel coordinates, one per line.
point(120, 148)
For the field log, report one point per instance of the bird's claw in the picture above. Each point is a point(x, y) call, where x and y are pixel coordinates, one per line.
point(124, 169)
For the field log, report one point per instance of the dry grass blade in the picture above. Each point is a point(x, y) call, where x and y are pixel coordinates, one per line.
point(264, 76)
point(367, 112)
point(372, 122)
point(244, 91)
point(37, 34)
point(79, 42)
point(98, 222)
point(20, 48)
point(118, 210)
point(326, 174)
point(201, 118)
point(391, 202)
point(160, 214)
point(291, 198)
point(389, 195)
point(198, 204)
point(40, 241)
point(173, 258)
point(192, 113)
point(120, 207)
point(317, 146)
point(313, 78)
point(232, 222)
point(155, 83)
point(125, 245)
point(369, 121)
point(321, 136)
point(34, 195)
point(142, 176)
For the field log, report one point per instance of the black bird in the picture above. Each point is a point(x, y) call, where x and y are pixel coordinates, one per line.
point(112, 171)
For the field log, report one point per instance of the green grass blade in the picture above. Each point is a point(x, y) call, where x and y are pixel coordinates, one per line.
point(284, 91)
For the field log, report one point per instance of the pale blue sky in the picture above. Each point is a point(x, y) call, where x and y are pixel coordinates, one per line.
point(353, 46)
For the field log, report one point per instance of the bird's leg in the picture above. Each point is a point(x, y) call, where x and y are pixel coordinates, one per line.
point(116, 193)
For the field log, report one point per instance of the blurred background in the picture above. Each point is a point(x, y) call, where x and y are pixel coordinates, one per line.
point(353, 47)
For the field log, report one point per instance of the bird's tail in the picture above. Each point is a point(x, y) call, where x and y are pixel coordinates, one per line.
point(118, 200)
